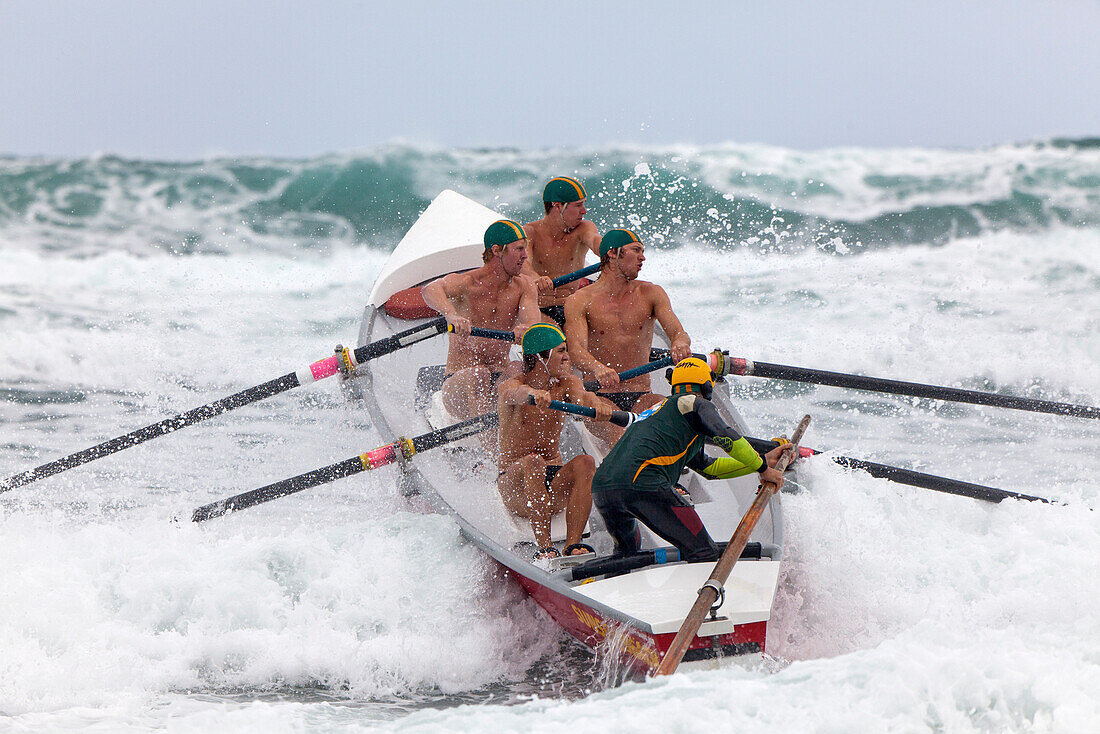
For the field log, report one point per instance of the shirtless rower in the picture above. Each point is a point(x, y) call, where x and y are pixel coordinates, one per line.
point(557, 243)
point(609, 326)
point(534, 482)
point(494, 296)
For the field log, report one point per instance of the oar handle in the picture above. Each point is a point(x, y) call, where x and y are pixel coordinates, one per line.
point(618, 417)
point(506, 336)
point(594, 385)
point(575, 275)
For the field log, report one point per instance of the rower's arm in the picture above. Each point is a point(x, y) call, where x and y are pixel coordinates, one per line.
point(724, 467)
point(678, 338)
point(436, 295)
point(529, 313)
point(592, 239)
point(542, 283)
point(704, 419)
point(514, 392)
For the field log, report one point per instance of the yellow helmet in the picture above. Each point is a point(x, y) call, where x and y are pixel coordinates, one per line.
point(692, 371)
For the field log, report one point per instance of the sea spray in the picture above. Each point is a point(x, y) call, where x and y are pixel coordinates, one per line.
point(130, 290)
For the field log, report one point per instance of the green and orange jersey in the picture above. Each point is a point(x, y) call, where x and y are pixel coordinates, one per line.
point(653, 452)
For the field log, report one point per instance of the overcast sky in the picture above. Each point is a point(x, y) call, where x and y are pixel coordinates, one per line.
point(183, 79)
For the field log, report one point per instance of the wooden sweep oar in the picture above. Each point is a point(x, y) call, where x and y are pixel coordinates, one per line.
point(723, 364)
point(400, 450)
point(711, 589)
point(911, 477)
point(344, 360)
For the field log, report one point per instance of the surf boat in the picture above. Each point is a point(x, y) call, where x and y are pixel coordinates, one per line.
point(631, 605)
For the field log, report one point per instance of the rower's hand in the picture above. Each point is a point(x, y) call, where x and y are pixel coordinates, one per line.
point(603, 410)
point(681, 350)
point(541, 398)
point(517, 334)
point(772, 476)
point(459, 324)
point(544, 284)
point(607, 376)
point(773, 456)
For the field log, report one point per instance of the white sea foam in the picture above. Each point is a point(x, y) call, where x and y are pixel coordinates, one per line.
point(900, 609)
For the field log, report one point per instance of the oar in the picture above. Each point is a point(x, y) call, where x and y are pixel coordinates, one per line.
point(400, 450)
point(723, 364)
point(594, 385)
point(576, 275)
point(713, 586)
point(913, 478)
point(344, 360)
point(618, 417)
point(589, 385)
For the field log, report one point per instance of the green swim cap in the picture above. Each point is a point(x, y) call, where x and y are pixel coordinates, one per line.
point(564, 189)
point(615, 239)
point(503, 232)
point(542, 338)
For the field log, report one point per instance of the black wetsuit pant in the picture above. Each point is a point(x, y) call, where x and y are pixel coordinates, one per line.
point(663, 511)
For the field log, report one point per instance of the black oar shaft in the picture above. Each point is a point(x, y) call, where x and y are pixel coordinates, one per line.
point(915, 389)
point(373, 459)
point(742, 366)
point(930, 481)
point(318, 370)
point(402, 339)
point(913, 478)
point(168, 425)
point(275, 490)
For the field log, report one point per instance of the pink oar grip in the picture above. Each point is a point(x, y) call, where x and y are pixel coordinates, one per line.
point(379, 457)
point(325, 368)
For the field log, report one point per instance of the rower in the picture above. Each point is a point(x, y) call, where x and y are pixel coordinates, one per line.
point(609, 326)
point(637, 479)
point(494, 296)
point(533, 481)
point(557, 243)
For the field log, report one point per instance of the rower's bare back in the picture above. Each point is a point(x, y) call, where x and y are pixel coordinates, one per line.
point(620, 332)
point(489, 308)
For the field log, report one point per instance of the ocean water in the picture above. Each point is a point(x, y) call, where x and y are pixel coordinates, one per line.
point(134, 289)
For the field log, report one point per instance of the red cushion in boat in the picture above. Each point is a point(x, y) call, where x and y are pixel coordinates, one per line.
point(409, 304)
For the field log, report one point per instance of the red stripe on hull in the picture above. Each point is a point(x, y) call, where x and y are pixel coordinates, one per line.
point(641, 650)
